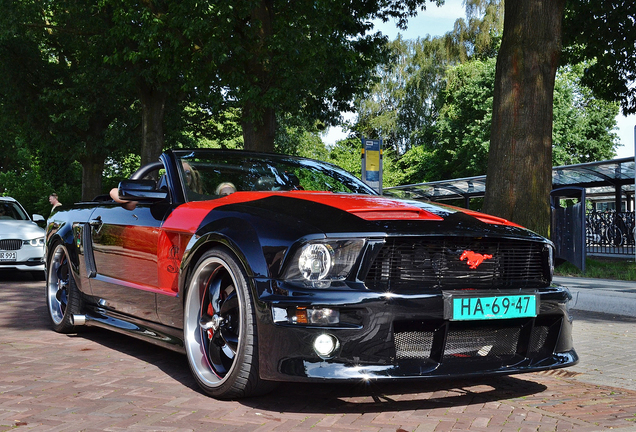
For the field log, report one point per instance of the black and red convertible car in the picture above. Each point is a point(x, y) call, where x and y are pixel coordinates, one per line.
point(266, 268)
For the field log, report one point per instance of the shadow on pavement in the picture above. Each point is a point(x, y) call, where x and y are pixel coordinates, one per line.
point(21, 276)
point(396, 396)
point(580, 315)
point(312, 398)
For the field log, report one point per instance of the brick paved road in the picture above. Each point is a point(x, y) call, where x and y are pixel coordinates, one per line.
point(100, 381)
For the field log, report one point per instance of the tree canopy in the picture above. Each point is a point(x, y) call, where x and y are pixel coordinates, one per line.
point(87, 92)
point(437, 114)
point(87, 70)
point(603, 32)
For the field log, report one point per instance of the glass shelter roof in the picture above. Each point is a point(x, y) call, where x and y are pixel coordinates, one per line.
point(598, 178)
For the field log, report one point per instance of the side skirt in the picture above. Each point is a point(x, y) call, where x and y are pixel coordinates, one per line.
point(166, 337)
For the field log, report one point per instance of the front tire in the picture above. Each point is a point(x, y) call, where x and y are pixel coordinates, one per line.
point(220, 328)
point(62, 296)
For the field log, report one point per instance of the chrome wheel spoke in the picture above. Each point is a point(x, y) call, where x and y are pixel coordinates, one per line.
point(219, 305)
point(230, 304)
point(215, 355)
point(61, 297)
point(231, 339)
point(214, 293)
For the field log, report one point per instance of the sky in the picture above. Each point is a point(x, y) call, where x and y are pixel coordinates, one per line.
point(436, 21)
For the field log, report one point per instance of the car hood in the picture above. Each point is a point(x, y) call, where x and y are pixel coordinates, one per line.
point(13, 229)
point(299, 212)
point(371, 207)
point(368, 207)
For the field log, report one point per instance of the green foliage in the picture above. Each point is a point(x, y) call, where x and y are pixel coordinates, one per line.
point(459, 129)
point(391, 173)
point(403, 104)
point(347, 154)
point(463, 127)
point(300, 137)
point(604, 33)
point(56, 92)
point(198, 127)
point(291, 58)
point(27, 183)
point(76, 78)
point(479, 35)
point(417, 166)
point(71, 75)
point(119, 168)
point(583, 128)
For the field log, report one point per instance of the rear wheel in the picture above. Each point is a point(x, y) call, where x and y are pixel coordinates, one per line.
point(220, 330)
point(62, 296)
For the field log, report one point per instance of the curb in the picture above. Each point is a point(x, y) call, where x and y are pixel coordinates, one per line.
point(601, 295)
point(615, 303)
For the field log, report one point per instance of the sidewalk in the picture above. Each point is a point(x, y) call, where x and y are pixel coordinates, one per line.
point(601, 295)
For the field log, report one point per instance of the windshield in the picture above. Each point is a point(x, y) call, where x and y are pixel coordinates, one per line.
point(209, 174)
point(9, 210)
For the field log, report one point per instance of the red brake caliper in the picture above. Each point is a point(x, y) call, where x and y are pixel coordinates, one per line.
point(210, 313)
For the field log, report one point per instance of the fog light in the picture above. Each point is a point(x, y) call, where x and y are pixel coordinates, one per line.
point(325, 345)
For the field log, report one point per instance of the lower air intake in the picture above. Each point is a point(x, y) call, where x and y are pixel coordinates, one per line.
point(485, 343)
point(413, 345)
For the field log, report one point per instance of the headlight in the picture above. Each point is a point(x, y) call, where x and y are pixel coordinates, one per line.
point(34, 242)
point(321, 262)
point(315, 261)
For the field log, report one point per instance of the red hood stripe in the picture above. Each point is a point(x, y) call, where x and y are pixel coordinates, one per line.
point(367, 207)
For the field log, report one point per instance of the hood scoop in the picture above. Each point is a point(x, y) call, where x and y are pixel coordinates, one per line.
point(371, 207)
point(394, 214)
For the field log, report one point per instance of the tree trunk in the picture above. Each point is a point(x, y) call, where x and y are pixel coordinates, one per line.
point(94, 155)
point(520, 156)
point(258, 135)
point(257, 119)
point(153, 105)
point(92, 169)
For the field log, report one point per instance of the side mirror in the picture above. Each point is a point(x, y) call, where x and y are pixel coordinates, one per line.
point(141, 190)
point(38, 218)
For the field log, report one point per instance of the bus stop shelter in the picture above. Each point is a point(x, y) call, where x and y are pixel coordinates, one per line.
point(609, 227)
point(607, 180)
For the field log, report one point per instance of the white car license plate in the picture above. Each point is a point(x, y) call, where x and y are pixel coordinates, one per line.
point(8, 256)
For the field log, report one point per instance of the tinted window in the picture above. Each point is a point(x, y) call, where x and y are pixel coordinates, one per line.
point(210, 174)
point(10, 210)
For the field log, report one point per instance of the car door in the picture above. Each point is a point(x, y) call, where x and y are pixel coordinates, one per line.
point(125, 249)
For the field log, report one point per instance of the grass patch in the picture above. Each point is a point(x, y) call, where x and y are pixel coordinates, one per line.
point(602, 268)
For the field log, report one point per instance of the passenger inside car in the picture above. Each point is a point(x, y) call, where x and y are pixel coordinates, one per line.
point(225, 188)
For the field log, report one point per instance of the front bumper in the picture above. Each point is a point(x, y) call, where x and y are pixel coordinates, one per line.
point(383, 336)
point(32, 264)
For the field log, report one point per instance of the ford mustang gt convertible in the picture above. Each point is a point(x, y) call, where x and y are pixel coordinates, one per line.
point(265, 268)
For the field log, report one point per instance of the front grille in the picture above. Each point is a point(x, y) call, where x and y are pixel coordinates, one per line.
point(10, 244)
point(436, 262)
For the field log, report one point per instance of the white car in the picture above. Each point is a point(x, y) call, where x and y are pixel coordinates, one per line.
point(21, 239)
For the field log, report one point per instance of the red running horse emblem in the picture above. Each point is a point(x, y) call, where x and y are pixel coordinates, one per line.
point(474, 259)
